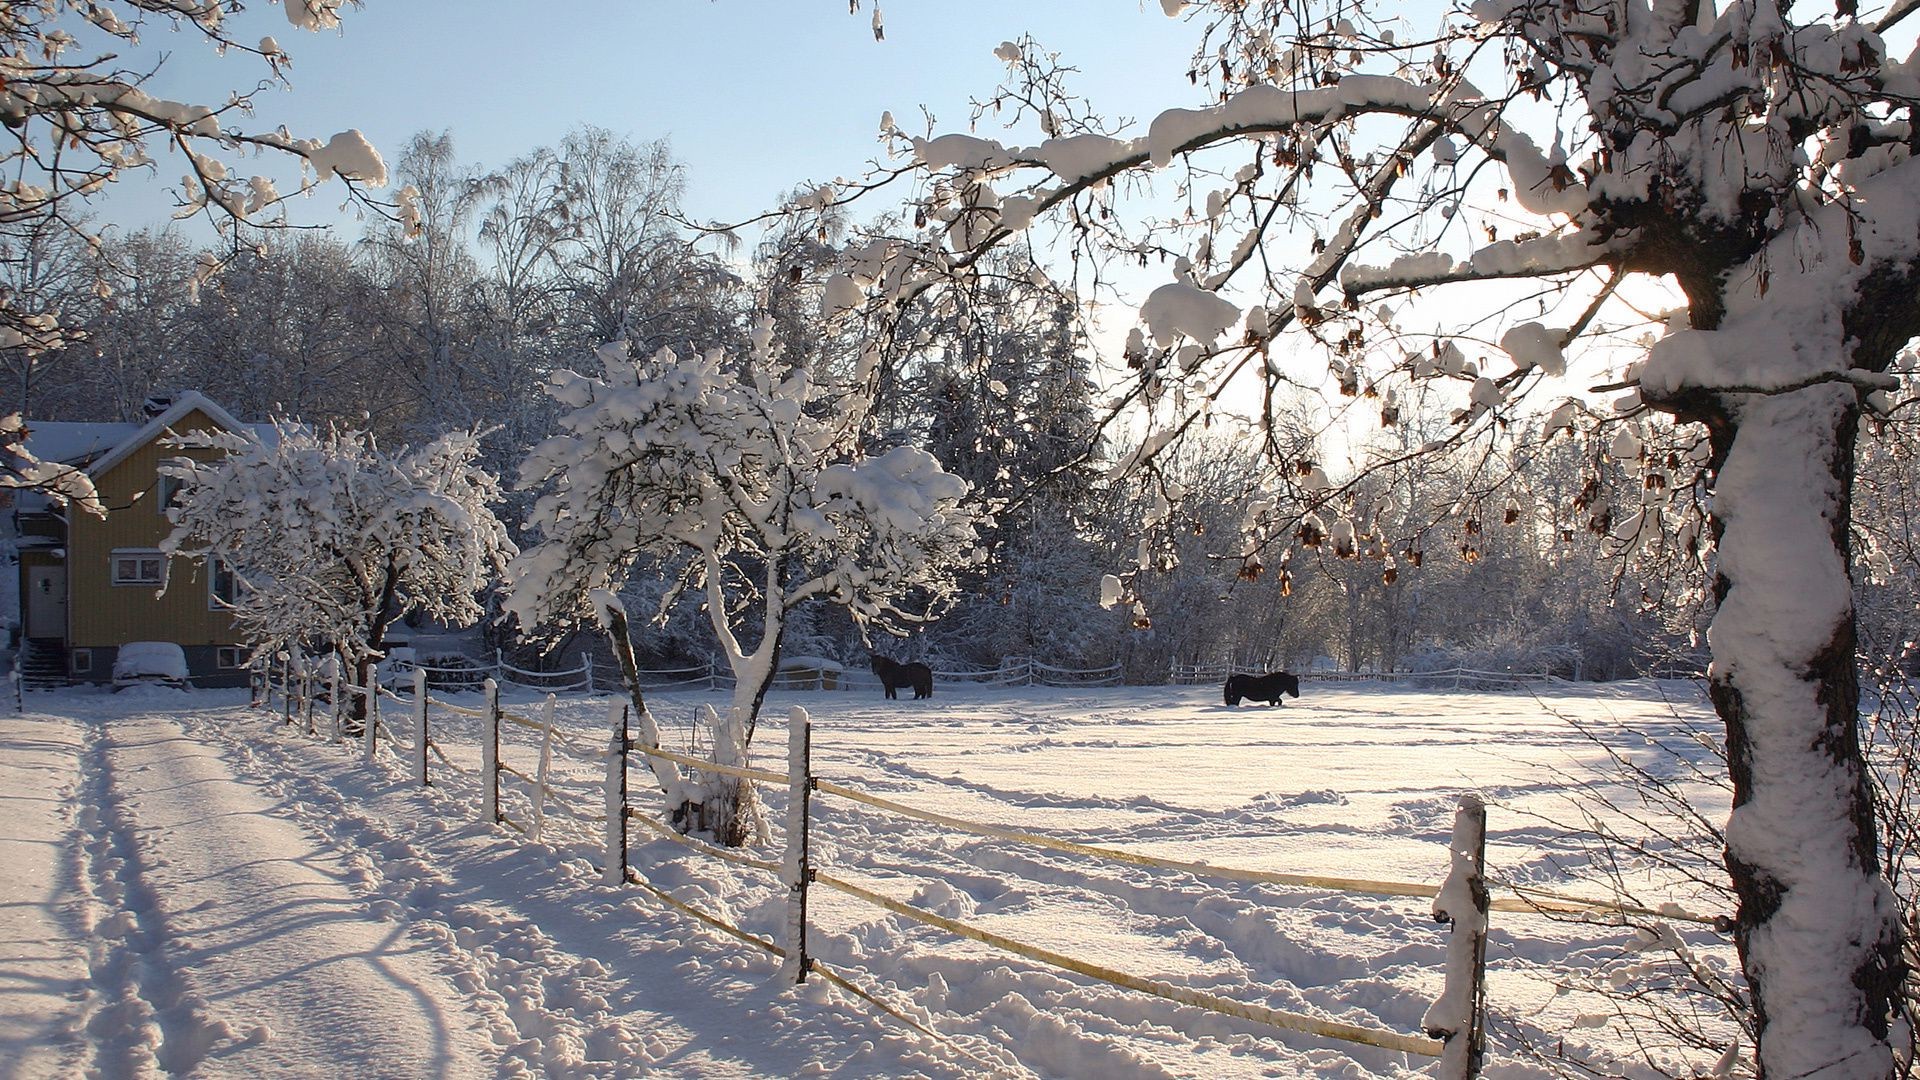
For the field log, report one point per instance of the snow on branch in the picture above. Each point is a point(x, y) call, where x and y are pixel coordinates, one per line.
point(751, 477)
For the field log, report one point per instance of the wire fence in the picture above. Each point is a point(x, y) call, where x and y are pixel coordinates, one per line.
point(1454, 678)
point(572, 784)
point(709, 675)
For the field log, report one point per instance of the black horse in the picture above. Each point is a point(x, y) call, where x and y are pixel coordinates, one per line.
point(1267, 688)
point(894, 676)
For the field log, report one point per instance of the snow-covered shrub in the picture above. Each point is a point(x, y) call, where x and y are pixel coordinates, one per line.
point(453, 671)
point(331, 538)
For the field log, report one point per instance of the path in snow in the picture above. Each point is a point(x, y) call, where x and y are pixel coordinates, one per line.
point(230, 943)
point(43, 961)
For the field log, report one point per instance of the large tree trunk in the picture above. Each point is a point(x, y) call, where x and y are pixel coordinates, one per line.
point(1817, 929)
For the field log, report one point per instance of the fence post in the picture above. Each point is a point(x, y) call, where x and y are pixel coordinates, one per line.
point(546, 766)
point(334, 706)
point(1458, 1018)
point(617, 750)
point(372, 692)
point(286, 685)
point(586, 661)
point(306, 694)
point(490, 756)
point(420, 725)
point(797, 868)
point(499, 665)
point(255, 679)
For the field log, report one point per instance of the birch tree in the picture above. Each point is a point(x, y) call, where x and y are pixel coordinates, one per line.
point(1533, 176)
point(749, 478)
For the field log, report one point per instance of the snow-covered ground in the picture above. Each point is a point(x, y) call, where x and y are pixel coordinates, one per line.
point(193, 887)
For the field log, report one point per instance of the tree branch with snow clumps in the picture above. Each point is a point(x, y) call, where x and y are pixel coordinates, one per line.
point(1347, 186)
point(74, 118)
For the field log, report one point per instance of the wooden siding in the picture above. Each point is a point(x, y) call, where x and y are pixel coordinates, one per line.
point(100, 613)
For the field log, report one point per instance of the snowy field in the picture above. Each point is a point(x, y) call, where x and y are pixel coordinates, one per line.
point(192, 887)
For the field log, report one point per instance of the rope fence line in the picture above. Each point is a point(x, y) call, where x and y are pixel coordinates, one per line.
point(1390, 1040)
point(1200, 674)
point(667, 832)
point(1013, 671)
point(1557, 903)
point(815, 966)
point(761, 775)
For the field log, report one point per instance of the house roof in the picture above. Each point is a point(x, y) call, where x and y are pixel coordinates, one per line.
point(100, 446)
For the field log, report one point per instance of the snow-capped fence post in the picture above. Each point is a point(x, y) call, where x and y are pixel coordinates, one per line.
point(499, 665)
point(306, 694)
point(420, 725)
point(286, 685)
point(490, 755)
point(546, 765)
point(336, 703)
point(372, 694)
point(256, 678)
point(796, 868)
point(586, 662)
point(1458, 1018)
point(617, 750)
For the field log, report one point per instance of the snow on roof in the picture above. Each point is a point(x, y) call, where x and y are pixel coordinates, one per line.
point(101, 446)
point(72, 443)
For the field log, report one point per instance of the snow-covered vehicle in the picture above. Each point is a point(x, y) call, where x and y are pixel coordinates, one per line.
point(150, 663)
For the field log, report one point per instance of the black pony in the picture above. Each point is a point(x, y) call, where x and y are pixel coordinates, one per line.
point(1267, 688)
point(894, 676)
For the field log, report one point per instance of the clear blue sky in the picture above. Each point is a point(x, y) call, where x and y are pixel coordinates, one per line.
point(756, 95)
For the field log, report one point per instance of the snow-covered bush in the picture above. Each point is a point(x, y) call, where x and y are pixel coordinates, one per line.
point(453, 671)
point(331, 538)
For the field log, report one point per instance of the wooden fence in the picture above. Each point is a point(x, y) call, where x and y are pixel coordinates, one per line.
point(587, 676)
point(1454, 1029)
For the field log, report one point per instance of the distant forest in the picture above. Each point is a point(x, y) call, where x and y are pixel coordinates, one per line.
point(1502, 554)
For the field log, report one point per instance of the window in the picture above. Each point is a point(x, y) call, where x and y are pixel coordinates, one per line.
point(167, 488)
point(139, 568)
point(82, 661)
point(220, 585)
point(227, 657)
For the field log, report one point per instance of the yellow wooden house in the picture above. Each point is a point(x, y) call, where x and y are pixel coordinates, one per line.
point(89, 585)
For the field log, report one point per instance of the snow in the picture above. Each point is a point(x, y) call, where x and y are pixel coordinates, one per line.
point(1177, 308)
point(262, 901)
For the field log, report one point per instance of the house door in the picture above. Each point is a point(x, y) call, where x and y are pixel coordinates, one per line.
point(47, 602)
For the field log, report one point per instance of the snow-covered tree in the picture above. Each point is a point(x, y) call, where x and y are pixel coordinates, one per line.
point(747, 477)
point(1350, 178)
point(77, 118)
point(331, 538)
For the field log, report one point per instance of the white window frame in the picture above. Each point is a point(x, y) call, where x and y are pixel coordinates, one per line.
point(165, 490)
point(229, 657)
point(214, 602)
point(140, 554)
point(81, 661)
